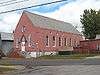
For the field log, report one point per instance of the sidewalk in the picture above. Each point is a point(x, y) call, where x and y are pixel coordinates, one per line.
point(13, 67)
point(97, 57)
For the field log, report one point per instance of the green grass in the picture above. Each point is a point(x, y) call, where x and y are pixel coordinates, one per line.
point(5, 63)
point(72, 56)
point(4, 69)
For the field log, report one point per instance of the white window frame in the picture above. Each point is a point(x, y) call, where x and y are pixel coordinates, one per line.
point(23, 29)
point(65, 41)
point(60, 41)
point(54, 42)
point(29, 40)
point(47, 42)
point(70, 42)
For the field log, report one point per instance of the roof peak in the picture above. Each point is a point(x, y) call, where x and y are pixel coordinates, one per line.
point(50, 23)
point(44, 16)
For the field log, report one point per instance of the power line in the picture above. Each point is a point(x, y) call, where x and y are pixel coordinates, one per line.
point(33, 6)
point(7, 1)
point(12, 3)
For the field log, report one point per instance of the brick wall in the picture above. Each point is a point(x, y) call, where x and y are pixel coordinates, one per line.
point(38, 37)
point(91, 46)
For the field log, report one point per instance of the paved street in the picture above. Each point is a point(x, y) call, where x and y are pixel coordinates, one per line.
point(56, 62)
point(61, 70)
point(58, 67)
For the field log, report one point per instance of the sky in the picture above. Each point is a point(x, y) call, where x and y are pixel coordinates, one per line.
point(67, 11)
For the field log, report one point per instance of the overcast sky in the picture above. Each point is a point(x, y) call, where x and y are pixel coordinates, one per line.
point(68, 11)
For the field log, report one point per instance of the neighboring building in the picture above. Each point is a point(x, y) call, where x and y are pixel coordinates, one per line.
point(6, 42)
point(36, 35)
point(89, 46)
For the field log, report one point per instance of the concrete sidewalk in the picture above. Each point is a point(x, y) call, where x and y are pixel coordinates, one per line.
point(13, 67)
point(97, 57)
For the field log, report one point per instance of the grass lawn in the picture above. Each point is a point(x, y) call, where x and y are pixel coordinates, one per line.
point(5, 62)
point(72, 56)
point(5, 69)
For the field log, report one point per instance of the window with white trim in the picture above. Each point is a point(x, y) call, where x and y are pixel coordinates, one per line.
point(23, 29)
point(70, 42)
point(29, 40)
point(65, 42)
point(60, 41)
point(54, 41)
point(47, 41)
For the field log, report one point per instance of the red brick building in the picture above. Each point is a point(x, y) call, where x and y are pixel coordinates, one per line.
point(36, 35)
point(89, 46)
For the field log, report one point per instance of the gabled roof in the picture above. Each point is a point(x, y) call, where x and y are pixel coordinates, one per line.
point(49, 23)
point(6, 36)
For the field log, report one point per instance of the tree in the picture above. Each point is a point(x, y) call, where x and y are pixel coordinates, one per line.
point(98, 23)
point(91, 23)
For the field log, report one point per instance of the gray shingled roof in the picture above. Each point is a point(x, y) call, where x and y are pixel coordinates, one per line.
point(6, 36)
point(49, 23)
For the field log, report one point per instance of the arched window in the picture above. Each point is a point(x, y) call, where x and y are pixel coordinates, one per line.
point(23, 29)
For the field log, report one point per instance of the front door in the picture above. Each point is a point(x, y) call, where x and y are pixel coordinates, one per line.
point(23, 43)
point(22, 46)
